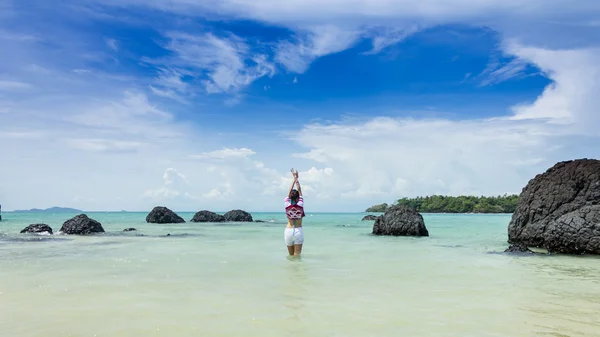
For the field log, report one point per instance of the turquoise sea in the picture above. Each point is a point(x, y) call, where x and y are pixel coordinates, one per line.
point(236, 280)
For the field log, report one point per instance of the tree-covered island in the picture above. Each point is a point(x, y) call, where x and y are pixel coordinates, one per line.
point(459, 204)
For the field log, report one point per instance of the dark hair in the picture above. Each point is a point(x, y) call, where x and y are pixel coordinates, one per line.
point(294, 195)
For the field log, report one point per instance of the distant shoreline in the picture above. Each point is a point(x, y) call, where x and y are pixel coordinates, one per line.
point(47, 210)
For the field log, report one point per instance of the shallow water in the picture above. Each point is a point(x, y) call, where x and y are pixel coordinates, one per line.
point(235, 279)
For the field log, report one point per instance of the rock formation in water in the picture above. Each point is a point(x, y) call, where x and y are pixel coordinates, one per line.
point(237, 215)
point(559, 210)
point(81, 225)
point(400, 221)
point(369, 217)
point(37, 228)
point(207, 216)
point(160, 214)
point(129, 230)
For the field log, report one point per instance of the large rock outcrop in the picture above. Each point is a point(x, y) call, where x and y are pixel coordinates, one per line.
point(400, 221)
point(559, 210)
point(81, 225)
point(207, 216)
point(238, 215)
point(161, 214)
point(37, 228)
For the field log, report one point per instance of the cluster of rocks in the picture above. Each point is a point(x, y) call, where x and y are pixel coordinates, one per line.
point(161, 214)
point(83, 225)
point(78, 225)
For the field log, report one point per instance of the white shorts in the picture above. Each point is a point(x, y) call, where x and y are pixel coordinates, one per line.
point(293, 236)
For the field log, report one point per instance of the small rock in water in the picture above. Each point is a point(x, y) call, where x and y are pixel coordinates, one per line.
point(37, 228)
point(400, 221)
point(160, 214)
point(208, 216)
point(369, 217)
point(129, 229)
point(81, 225)
point(238, 215)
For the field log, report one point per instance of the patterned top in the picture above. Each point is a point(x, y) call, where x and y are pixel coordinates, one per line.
point(294, 211)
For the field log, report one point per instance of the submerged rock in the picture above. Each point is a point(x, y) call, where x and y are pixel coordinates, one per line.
point(400, 221)
point(81, 225)
point(238, 215)
point(369, 217)
point(129, 230)
point(37, 228)
point(518, 248)
point(160, 214)
point(208, 216)
point(559, 210)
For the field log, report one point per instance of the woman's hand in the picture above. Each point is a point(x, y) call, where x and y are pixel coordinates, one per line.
point(294, 174)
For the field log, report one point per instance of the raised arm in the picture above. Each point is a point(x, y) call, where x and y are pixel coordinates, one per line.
point(298, 184)
point(292, 186)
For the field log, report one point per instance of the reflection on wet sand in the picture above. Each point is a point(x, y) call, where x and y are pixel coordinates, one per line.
point(294, 290)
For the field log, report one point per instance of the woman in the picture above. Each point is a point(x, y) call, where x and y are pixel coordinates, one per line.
point(294, 210)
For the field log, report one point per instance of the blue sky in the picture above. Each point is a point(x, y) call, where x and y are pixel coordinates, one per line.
point(196, 104)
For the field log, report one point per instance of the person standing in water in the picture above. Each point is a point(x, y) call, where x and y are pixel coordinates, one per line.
point(294, 210)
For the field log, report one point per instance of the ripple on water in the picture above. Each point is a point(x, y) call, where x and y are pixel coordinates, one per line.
point(31, 237)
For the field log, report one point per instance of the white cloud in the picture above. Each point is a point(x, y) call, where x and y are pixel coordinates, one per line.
point(572, 98)
point(175, 185)
point(7, 35)
point(20, 134)
point(112, 44)
point(225, 154)
point(314, 42)
point(496, 72)
point(102, 145)
point(170, 78)
point(384, 37)
point(14, 85)
point(223, 64)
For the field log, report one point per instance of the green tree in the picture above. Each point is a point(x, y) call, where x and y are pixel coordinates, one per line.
point(378, 208)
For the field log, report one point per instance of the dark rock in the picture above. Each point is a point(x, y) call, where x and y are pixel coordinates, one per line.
point(208, 216)
point(400, 221)
point(559, 210)
point(160, 214)
point(81, 225)
point(37, 228)
point(518, 248)
point(369, 217)
point(129, 230)
point(238, 215)
point(259, 221)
